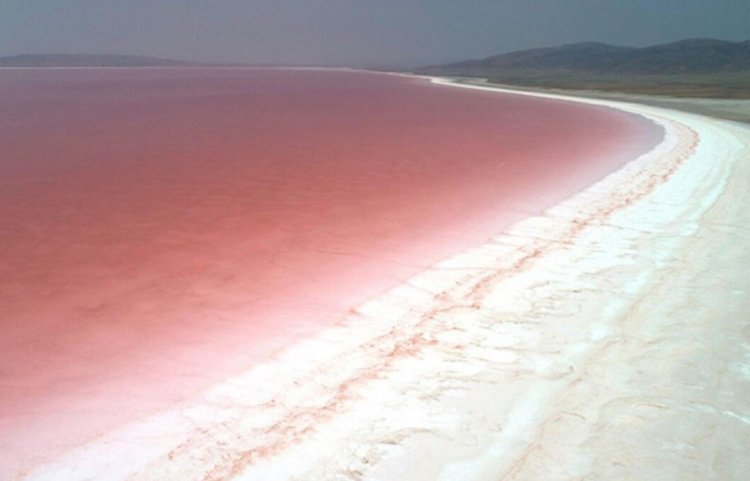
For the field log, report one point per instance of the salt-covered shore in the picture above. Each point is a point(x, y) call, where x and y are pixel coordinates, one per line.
point(606, 339)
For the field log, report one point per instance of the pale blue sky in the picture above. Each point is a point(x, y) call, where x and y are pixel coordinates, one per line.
point(353, 32)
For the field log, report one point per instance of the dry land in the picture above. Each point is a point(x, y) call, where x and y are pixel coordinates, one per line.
point(728, 108)
point(725, 85)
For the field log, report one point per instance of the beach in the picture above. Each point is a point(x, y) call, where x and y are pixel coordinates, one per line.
point(604, 337)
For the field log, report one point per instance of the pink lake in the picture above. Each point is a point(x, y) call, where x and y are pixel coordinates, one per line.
point(162, 229)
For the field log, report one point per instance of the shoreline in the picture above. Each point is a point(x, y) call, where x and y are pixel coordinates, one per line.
point(124, 372)
point(463, 361)
point(736, 110)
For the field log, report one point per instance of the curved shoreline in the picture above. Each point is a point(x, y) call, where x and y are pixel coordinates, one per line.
point(468, 364)
point(172, 282)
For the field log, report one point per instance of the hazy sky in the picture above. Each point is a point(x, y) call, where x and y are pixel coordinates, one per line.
point(353, 32)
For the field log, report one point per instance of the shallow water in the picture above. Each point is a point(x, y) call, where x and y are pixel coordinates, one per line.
point(163, 228)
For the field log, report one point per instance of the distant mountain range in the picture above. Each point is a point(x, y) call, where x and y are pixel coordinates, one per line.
point(688, 68)
point(692, 56)
point(87, 60)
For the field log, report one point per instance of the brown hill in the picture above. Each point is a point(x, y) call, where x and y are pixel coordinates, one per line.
point(688, 68)
point(697, 56)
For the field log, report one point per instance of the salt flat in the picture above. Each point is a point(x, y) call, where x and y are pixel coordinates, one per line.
point(605, 339)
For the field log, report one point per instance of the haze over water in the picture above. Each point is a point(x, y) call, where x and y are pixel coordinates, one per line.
point(167, 227)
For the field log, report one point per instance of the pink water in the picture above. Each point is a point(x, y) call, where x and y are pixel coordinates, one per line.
point(161, 229)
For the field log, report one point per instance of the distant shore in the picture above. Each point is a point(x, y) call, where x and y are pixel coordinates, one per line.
point(721, 108)
point(688, 68)
point(734, 86)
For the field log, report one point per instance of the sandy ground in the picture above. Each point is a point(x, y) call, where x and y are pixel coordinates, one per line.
point(606, 339)
point(729, 109)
